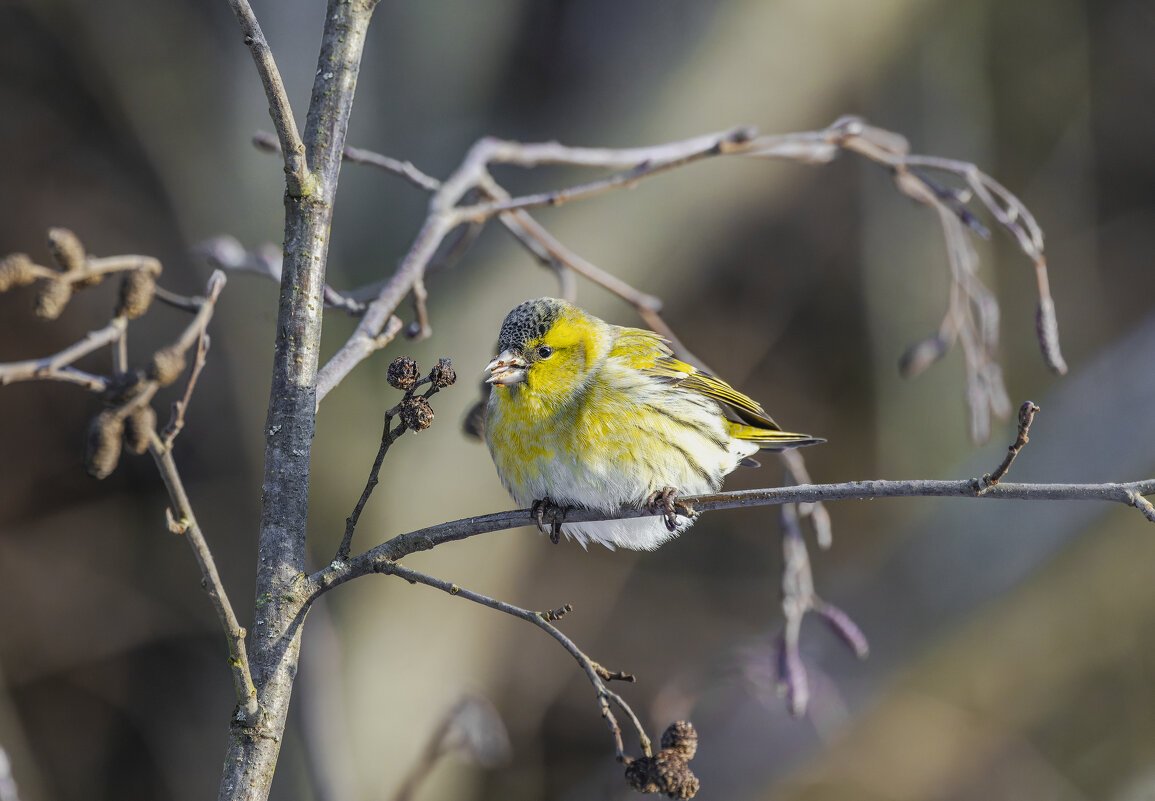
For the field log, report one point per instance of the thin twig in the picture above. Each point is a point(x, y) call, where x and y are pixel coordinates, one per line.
point(189, 304)
point(643, 163)
point(184, 522)
point(268, 143)
point(1027, 414)
point(816, 512)
point(432, 536)
point(592, 669)
point(1143, 505)
point(58, 367)
point(297, 175)
point(176, 421)
point(972, 314)
point(421, 327)
point(389, 435)
point(799, 598)
point(471, 728)
point(357, 348)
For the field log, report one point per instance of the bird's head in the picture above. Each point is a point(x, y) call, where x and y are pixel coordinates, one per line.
point(547, 346)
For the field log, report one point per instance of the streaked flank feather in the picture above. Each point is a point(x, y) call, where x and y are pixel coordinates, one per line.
point(592, 415)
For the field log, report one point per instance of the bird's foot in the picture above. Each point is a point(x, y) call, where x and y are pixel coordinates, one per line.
point(665, 501)
point(555, 513)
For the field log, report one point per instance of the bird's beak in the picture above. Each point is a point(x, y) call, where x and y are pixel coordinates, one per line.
point(508, 368)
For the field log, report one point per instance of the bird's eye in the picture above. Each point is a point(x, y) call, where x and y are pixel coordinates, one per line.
point(545, 351)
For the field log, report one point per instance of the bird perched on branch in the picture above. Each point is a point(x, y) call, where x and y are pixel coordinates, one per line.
point(592, 415)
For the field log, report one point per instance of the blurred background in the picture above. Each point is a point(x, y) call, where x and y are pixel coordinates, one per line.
point(1011, 649)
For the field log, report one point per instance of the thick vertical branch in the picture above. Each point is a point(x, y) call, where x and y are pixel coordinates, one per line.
point(281, 597)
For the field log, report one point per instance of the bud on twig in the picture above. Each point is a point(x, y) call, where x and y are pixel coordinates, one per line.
point(403, 373)
point(103, 447)
point(52, 297)
point(16, 270)
point(136, 293)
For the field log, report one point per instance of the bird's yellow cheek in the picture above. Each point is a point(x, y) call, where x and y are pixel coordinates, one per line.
point(556, 377)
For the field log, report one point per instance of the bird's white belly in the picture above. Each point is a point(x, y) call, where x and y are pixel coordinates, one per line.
point(616, 471)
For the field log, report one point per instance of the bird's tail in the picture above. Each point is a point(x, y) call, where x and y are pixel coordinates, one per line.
point(769, 439)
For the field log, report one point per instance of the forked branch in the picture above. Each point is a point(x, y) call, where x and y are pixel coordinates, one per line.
point(597, 675)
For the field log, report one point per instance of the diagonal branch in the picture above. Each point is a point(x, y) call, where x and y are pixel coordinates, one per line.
point(58, 367)
point(296, 170)
point(597, 674)
point(184, 522)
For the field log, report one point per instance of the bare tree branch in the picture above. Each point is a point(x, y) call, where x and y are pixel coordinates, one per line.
point(312, 172)
point(296, 170)
point(402, 375)
point(58, 367)
point(184, 522)
point(972, 314)
point(597, 674)
point(1027, 414)
point(799, 598)
point(1129, 493)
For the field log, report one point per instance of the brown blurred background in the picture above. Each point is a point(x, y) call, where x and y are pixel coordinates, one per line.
point(1012, 655)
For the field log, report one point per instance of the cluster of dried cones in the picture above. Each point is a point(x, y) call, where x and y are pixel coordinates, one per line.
point(76, 270)
point(128, 421)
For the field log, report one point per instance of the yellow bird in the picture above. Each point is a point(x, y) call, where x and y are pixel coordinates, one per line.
point(592, 415)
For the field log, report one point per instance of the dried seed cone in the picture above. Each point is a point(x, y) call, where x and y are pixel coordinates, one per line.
point(681, 736)
point(638, 775)
point(16, 270)
point(66, 249)
point(673, 776)
point(102, 452)
point(167, 365)
point(138, 428)
point(136, 293)
point(403, 373)
point(666, 773)
point(52, 297)
point(442, 374)
point(416, 413)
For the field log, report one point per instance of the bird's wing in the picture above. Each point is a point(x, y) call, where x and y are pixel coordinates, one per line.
point(650, 353)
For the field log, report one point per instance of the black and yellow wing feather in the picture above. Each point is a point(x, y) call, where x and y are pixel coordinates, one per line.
point(649, 352)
